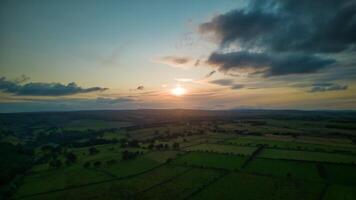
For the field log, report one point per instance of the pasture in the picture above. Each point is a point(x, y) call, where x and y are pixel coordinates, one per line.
point(308, 156)
point(219, 148)
point(210, 160)
point(243, 186)
point(200, 160)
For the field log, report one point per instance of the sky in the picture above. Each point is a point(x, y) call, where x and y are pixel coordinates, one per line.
point(200, 54)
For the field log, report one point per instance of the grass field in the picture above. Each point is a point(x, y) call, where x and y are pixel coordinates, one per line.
point(293, 144)
point(182, 186)
point(213, 160)
point(340, 173)
point(307, 156)
point(43, 179)
point(162, 156)
point(130, 167)
point(243, 186)
point(218, 148)
point(59, 178)
point(340, 192)
point(119, 189)
point(284, 169)
point(84, 124)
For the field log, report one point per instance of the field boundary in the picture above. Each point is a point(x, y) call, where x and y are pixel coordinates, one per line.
point(252, 156)
point(296, 149)
point(323, 191)
point(165, 181)
point(90, 184)
point(206, 185)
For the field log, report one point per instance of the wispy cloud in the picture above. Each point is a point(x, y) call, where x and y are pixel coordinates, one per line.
point(140, 87)
point(227, 82)
point(325, 87)
point(182, 62)
point(210, 74)
point(106, 100)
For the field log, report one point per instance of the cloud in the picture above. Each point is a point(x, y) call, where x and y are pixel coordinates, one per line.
point(105, 100)
point(43, 89)
point(237, 86)
point(22, 79)
point(227, 82)
point(184, 80)
point(197, 62)
point(325, 87)
point(288, 25)
point(239, 25)
point(270, 65)
point(210, 74)
point(282, 37)
point(178, 61)
point(140, 87)
point(223, 82)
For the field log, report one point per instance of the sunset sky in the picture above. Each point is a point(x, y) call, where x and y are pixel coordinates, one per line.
point(197, 54)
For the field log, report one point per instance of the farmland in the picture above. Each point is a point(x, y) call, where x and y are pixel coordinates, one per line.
point(206, 159)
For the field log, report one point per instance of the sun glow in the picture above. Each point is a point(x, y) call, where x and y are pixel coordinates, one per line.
point(178, 91)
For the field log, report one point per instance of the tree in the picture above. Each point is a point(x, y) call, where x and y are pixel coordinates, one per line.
point(159, 146)
point(133, 143)
point(151, 146)
point(86, 164)
point(97, 164)
point(55, 163)
point(111, 162)
point(126, 155)
point(176, 145)
point(123, 142)
point(93, 150)
point(71, 157)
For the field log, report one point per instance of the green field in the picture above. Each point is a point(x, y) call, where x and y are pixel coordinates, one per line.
point(211, 160)
point(124, 188)
point(58, 179)
point(294, 144)
point(182, 186)
point(218, 148)
point(308, 156)
point(284, 169)
point(340, 192)
point(94, 124)
point(243, 186)
point(340, 173)
point(224, 159)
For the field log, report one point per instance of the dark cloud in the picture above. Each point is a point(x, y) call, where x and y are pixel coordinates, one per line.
point(237, 86)
point(227, 82)
point(288, 25)
point(282, 37)
point(140, 87)
point(223, 82)
point(240, 25)
point(270, 65)
point(104, 100)
point(43, 89)
point(210, 74)
point(325, 87)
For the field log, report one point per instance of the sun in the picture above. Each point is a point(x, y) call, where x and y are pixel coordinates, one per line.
point(178, 91)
